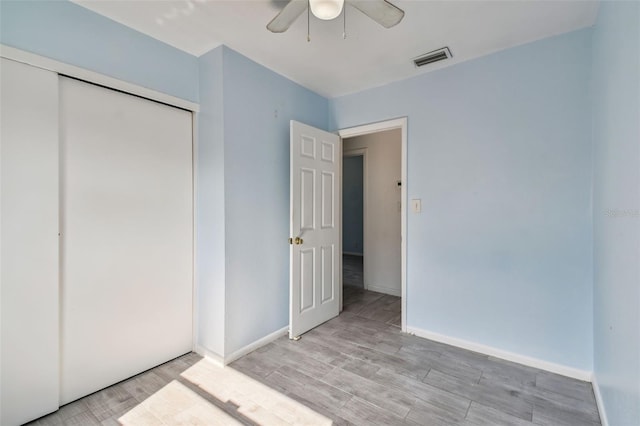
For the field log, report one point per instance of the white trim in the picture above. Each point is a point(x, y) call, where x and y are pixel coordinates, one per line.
point(599, 401)
point(211, 356)
point(45, 63)
point(194, 236)
point(366, 129)
point(502, 354)
point(351, 253)
point(340, 159)
point(256, 345)
point(386, 290)
point(398, 123)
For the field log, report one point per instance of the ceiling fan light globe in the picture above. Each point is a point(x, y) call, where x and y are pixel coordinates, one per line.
point(326, 9)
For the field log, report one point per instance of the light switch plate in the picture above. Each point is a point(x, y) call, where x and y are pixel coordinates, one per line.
point(416, 205)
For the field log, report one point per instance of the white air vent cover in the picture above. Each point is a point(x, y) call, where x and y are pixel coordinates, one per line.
point(434, 56)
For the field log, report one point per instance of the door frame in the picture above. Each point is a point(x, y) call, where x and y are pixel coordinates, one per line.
point(359, 152)
point(365, 129)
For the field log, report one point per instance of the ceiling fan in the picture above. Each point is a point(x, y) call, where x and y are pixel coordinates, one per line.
point(381, 11)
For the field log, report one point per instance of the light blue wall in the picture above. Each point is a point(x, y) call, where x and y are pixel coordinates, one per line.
point(616, 200)
point(210, 217)
point(352, 204)
point(499, 151)
point(258, 104)
point(69, 33)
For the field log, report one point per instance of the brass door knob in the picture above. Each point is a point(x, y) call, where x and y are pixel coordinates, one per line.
point(297, 241)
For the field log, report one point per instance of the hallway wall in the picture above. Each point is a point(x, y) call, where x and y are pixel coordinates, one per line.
point(382, 233)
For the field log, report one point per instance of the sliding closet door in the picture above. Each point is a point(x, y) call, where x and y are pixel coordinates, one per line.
point(126, 223)
point(29, 241)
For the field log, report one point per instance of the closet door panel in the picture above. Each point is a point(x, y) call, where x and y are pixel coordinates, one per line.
point(29, 243)
point(126, 210)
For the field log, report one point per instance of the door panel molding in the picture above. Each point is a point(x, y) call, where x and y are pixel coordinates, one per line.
point(315, 266)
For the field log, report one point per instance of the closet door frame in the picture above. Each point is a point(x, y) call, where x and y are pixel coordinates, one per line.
point(64, 69)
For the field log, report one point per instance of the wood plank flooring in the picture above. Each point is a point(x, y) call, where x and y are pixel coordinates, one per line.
point(360, 369)
point(357, 369)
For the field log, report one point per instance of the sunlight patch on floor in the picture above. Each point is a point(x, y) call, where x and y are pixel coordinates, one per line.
point(185, 401)
point(176, 404)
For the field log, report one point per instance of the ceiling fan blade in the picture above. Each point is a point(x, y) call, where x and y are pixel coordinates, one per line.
point(287, 16)
point(381, 11)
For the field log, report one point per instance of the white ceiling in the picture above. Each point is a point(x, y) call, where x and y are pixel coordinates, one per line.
point(370, 56)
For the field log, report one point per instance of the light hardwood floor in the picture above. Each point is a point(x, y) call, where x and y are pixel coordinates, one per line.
point(355, 369)
point(360, 369)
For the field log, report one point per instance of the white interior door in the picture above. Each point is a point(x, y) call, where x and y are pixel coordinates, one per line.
point(315, 263)
point(126, 223)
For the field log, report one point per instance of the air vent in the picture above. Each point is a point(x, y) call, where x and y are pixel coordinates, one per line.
point(431, 57)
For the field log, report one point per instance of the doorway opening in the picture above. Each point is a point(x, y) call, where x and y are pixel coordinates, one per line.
point(374, 221)
point(353, 199)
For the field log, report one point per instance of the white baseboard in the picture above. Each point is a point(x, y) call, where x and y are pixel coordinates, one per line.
point(352, 253)
point(502, 354)
point(255, 345)
point(599, 402)
point(211, 356)
point(385, 290)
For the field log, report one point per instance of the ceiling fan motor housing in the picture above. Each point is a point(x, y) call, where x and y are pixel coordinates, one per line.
point(326, 9)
